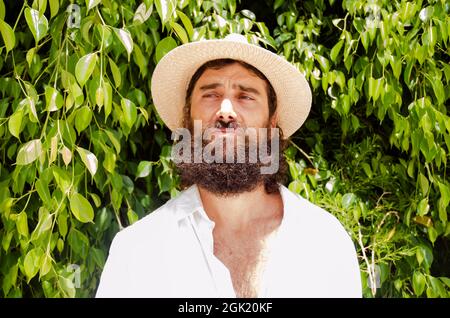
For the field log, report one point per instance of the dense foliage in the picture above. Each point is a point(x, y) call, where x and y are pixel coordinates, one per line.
point(84, 154)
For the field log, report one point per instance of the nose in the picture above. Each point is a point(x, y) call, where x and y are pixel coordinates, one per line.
point(226, 111)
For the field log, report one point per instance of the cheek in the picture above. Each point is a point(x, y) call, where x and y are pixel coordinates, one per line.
point(255, 118)
point(201, 111)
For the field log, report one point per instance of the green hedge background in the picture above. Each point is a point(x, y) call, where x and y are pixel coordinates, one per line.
point(83, 153)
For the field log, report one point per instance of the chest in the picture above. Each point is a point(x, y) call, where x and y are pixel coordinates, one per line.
point(246, 259)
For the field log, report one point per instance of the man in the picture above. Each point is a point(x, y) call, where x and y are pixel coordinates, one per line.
point(235, 231)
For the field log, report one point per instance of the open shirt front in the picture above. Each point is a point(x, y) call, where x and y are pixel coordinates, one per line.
point(169, 253)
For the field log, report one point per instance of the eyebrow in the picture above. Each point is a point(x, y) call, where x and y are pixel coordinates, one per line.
point(241, 87)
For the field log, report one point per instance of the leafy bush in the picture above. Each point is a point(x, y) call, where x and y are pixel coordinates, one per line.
point(84, 154)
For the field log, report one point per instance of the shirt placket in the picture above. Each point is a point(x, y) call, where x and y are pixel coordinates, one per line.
point(220, 275)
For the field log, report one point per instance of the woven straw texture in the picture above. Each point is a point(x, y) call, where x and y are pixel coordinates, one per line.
point(174, 71)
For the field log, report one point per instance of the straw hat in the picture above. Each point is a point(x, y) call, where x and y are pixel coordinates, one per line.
point(172, 74)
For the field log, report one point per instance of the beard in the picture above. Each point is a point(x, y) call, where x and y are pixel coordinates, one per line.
point(244, 174)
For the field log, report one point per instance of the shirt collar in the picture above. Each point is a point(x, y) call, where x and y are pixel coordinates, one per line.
point(189, 202)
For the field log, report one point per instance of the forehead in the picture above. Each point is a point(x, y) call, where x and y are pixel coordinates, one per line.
point(234, 72)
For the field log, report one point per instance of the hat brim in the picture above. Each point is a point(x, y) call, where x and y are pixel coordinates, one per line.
point(172, 74)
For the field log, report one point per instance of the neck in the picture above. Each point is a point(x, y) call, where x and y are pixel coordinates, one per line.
point(239, 212)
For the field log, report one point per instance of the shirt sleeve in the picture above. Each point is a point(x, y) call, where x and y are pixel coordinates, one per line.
point(114, 281)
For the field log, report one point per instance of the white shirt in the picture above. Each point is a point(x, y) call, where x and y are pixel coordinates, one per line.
point(169, 253)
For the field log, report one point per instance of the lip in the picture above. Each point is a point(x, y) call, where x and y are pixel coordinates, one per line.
point(224, 131)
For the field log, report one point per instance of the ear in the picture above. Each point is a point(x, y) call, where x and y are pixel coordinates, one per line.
point(274, 120)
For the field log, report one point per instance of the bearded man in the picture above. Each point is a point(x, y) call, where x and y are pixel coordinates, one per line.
point(235, 230)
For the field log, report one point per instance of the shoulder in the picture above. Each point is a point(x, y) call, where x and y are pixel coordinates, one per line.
point(157, 224)
point(320, 238)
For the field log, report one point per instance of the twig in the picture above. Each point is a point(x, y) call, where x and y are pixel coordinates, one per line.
point(303, 153)
point(370, 268)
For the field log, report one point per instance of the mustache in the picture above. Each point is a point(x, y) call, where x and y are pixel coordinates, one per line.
point(233, 124)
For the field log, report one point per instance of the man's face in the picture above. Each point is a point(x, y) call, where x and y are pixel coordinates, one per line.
point(222, 100)
point(233, 96)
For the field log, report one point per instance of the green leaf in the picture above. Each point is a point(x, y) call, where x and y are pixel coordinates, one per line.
point(442, 208)
point(78, 242)
point(115, 72)
point(335, 50)
point(165, 9)
point(53, 99)
point(107, 98)
point(110, 160)
point(141, 60)
point(66, 285)
point(76, 96)
point(2, 10)
point(438, 287)
point(182, 35)
point(277, 4)
point(365, 40)
point(164, 182)
point(29, 152)
point(62, 223)
point(10, 279)
point(348, 200)
point(22, 224)
point(15, 123)
point(445, 280)
point(40, 5)
point(132, 216)
point(44, 224)
point(324, 63)
point(66, 155)
point(438, 89)
point(98, 256)
point(62, 178)
point(53, 149)
point(432, 234)
point(125, 37)
point(54, 8)
point(46, 265)
point(32, 262)
point(81, 208)
point(43, 191)
point(91, 4)
point(114, 140)
point(164, 46)
point(424, 254)
point(144, 169)
point(99, 96)
point(396, 64)
point(142, 14)
point(429, 36)
point(418, 283)
point(96, 199)
point(423, 183)
point(84, 68)
point(345, 99)
point(37, 23)
point(221, 22)
point(426, 13)
point(89, 160)
point(423, 207)
point(367, 169)
point(8, 35)
point(375, 87)
point(129, 111)
point(83, 118)
point(187, 24)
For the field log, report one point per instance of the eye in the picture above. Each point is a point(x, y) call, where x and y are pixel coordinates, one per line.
point(210, 95)
point(246, 97)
